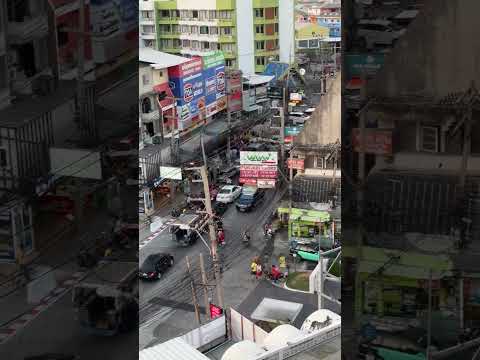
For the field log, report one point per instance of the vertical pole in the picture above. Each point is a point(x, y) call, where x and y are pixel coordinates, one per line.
point(320, 276)
point(429, 325)
point(204, 155)
point(81, 64)
point(205, 290)
point(282, 137)
point(194, 294)
point(460, 300)
point(213, 236)
point(229, 119)
point(290, 187)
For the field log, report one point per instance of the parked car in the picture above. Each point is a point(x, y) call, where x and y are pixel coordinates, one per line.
point(377, 32)
point(229, 193)
point(249, 199)
point(155, 265)
point(405, 345)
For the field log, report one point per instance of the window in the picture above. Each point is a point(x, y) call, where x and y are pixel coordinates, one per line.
point(259, 13)
point(175, 13)
point(319, 163)
point(213, 14)
point(185, 43)
point(228, 48)
point(204, 30)
point(277, 44)
point(203, 14)
point(164, 13)
point(213, 30)
point(195, 44)
point(194, 29)
point(3, 157)
point(226, 31)
point(184, 14)
point(259, 29)
point(145, 79)
point(260, 45)
point(224, 14)
point(260, 60)
point(276, 27)
point(275, 12)
point(149, 29)
point(429, 139)
point(229, 63)
point(205, 45)
point(185, 29)
point(195, 14)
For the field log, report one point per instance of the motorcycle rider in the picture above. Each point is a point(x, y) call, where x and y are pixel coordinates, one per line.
point(246, 237)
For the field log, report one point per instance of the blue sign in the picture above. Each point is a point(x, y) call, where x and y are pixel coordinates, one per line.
point(210, 86)
point(190, 93)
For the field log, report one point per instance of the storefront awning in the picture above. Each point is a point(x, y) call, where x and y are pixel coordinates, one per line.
point(313, 216)
point(168, 101)
point(410, 272)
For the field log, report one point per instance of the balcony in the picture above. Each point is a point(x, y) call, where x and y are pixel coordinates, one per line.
point(31, 28)
point(166, 21)
point(149, 36)
point(147, 21)
point(227, 39)
point(257, 21)
point(260, 37)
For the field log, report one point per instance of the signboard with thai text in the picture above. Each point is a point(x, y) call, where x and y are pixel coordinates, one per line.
point(265, 183)
point(258, 158)
point(298, 164)
point(376, 141)
point(258, 171)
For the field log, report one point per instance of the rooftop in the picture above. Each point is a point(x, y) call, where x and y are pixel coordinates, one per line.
point(159, 59)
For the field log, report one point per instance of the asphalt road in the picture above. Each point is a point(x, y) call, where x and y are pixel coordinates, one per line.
point(171, 297)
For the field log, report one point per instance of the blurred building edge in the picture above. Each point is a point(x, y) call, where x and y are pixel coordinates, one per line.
point(422, 189)
point(39, 114)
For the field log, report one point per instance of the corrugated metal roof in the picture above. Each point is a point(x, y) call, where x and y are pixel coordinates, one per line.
point(175, 349)
point(159, 59)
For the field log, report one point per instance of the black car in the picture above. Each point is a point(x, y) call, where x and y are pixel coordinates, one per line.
point(249, 200)
point(155, 265)
point(220, 208)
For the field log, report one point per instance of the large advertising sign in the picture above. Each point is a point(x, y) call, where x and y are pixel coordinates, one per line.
point(187, 85)
point(234, 84)
point(258, 171)
point(214, 76)
point(258, 158)
point(376, 141)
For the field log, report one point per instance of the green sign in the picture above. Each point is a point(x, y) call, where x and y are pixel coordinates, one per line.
point(293, 131)
point(367, 64)
point(213, 58)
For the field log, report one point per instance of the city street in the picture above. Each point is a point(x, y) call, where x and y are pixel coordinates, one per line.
point(171, 296)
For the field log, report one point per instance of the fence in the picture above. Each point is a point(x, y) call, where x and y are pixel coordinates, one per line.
point(242, 328)
point(207, 336)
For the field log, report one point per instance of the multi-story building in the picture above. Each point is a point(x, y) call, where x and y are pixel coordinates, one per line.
point(192, 28)
point(147, 32)
point(4, 82)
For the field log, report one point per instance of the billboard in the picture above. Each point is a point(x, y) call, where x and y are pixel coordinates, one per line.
point(298, 164)
point(187, 85)
point(376, 141)
point(234, 85)
point(258, 158)
point(214, 76)
point(258, 171)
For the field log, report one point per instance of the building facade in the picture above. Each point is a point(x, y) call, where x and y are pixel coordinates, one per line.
point(191, 28)
point(148, 26)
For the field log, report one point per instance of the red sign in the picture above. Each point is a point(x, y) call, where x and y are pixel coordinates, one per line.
point(258, 171)
point(298, 164)
point(247, 181)
point(288, 139)
point(215, 311)
point(194, 66)
point(376, 141)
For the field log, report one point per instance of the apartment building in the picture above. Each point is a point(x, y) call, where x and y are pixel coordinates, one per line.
point(4, 82)
point(191, 28)
point(148, 27)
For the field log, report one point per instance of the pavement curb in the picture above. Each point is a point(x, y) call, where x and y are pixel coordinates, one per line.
point(294, 290)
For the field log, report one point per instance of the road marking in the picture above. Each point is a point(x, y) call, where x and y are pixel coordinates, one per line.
point(11, 329)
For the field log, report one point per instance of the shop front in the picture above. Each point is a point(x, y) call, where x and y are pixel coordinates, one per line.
point(307, 226)
point(392, 291)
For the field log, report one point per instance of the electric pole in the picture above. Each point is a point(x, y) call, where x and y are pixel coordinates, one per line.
point(205, 284)
point(213, 236)
point(194, 293)
point(229, 119)
point(81, 67)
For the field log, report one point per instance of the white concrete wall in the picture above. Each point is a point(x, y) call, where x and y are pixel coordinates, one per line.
point(197, 4)
point(245, 42)
point(286, 14)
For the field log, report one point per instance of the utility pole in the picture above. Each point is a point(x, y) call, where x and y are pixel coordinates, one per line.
point(429, 324)
point(205, 283)
point(282, 136)
point(229, 119)
point(213, 236)
point(194, 294)
point(81, 67)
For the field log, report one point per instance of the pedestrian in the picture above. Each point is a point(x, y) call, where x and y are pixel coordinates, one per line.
point(259, 271)
point(253, 268)
point(221, 237)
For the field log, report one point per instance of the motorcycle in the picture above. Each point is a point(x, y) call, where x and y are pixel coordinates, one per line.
point(246, 239)
point(268, 234)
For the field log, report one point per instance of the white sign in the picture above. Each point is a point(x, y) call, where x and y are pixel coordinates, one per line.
point(258, 158)
point(172, 173)
point(295, 97)
point(265, 184)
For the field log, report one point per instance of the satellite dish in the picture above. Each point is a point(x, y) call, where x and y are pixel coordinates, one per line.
point(302, 71)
